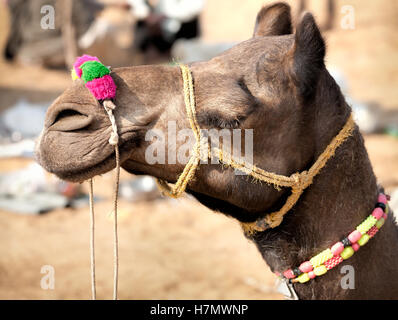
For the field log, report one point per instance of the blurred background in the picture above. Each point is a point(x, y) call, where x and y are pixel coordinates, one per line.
point(169, 249)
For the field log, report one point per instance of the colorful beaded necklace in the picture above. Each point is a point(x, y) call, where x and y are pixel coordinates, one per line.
point(341, 250)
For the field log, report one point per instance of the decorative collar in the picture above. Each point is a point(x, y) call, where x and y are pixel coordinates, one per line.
point(340, 251)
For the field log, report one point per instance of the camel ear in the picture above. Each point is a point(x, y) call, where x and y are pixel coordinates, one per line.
point(309, 53)
point(273, 20)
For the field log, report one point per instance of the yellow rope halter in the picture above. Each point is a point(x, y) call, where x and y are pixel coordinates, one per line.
point(298, 181)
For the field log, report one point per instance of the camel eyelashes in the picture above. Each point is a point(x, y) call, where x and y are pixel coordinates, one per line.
point(214, 119)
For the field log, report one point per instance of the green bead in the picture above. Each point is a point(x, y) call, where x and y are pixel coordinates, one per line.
point(380, 223)
point(93, 70)
point(364, 239)
point(347, 252)
point(320, 270)
point(304, 277)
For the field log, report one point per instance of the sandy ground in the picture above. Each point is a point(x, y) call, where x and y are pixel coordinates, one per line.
point(178, 249)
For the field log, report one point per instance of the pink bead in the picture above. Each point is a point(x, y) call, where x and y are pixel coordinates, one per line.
point(377, 213)
point(355, 246)
point(311, 274)
point(354, 236)
point(289, 274)
point(382, 198)
point(337, 248)
point(385, 216)
point(306, 266)
point(278, 274)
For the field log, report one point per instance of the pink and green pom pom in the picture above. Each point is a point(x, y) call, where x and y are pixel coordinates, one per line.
point(96, 77)
point(80, 60)
point(93, 70)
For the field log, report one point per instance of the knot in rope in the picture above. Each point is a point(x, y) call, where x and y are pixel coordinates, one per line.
point(301, 180)
point(109, 107)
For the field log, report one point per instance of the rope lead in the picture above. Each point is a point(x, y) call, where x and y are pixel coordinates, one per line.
point(113, 140)
point(97, 79)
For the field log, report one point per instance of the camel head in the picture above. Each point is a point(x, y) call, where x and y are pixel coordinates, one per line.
point(274, 83)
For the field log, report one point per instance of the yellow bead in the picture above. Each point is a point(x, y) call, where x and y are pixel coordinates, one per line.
point(320, 258)
point(380, 223)
point(304, 277)
point(367, 224)
point(364, 239)
point(387, 210)
point(347, 252)
point(320, 270)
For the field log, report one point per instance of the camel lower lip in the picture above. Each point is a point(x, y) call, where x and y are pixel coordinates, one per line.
point(105, 165)
point(83, 174)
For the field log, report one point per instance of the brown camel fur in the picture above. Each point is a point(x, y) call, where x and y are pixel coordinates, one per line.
point(275, 83)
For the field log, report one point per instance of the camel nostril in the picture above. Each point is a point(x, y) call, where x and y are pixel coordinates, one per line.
point(69, 120)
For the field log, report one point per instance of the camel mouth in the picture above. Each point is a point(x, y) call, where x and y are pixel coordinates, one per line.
point(81, 173)
point(74, 144)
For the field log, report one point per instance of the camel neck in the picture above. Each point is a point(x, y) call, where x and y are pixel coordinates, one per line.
point(341, 197)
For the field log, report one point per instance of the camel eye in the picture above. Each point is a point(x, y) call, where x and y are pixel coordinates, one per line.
point(214, 119)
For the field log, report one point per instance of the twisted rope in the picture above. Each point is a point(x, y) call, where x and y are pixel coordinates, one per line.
point(298, 182)
point(115, 231)
point(97, 79)
point(189, 171)
point(92, 242)
point(113, 140)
